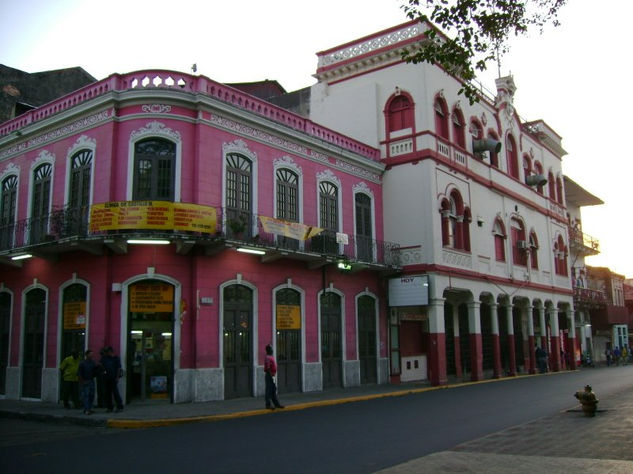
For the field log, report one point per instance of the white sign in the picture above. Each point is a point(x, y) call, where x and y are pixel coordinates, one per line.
point(409, 291)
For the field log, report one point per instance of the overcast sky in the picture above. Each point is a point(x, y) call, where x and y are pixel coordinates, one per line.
point(575, 77)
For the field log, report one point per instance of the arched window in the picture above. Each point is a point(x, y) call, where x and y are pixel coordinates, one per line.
point(527, 166)
point(328, 218)
point(512, 161)
point(455, 223)
point(494, 156)
point(560, 257)
point(476, 130)
point(8, 199)
point(459, 133)
point(287, 195)
point(538, 169)
point(79, 198)
point(519, 244)
point(364, 228)
point(399, 114)
point(40, 203)
point(154, 169)
point(533, 250)
point(552, 186)
point(441, 118)
point(239, 199)
point(559, 190)
point(499, 232)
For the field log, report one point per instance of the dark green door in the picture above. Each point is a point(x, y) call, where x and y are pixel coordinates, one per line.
point(367, 339)
point(5, 320)
point(331, 342)
point(33, 355)
point(238, 355)
point(288, 342)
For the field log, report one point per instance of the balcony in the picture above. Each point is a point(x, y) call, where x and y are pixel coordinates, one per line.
point(582, 243)
point(610, 314)
point(588, 297)
point(71, 229)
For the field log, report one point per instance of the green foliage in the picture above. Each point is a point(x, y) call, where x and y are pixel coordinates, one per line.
point(478, 31)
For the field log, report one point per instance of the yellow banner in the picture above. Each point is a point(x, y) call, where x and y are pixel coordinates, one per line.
point(75, 315)
point(288, 316)
point(294, 230)
point(151, 298)
point(162, 215)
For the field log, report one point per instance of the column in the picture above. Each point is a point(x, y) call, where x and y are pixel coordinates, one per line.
point(457, 347)
point(511, 342)
point(531, 347)
point(541, 315)
point(572, 339)
point(437, 342)
point(496, 347)
point(476, 347)
point(555, 340)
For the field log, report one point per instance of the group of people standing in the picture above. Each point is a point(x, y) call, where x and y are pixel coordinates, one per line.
point(617, 356)
point(79, 379)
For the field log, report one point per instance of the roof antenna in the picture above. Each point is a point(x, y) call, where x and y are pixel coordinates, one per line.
point(194, 68)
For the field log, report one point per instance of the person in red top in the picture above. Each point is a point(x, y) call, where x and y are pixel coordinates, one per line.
point(270, 370)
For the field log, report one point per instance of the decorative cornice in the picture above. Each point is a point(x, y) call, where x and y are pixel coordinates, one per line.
point(156, 128)
point(44, 156)
point(373, 44)
point(287, 162)
point(362, 187)
point(82, 142)
point(58, 133)
point(289, 146)
point(239, 146)
point(327, 175)
point(156, 108)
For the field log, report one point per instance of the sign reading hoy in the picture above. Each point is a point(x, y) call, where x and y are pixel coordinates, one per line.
point(409, 291)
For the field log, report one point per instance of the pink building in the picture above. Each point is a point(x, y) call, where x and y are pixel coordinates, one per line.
point(188, 224)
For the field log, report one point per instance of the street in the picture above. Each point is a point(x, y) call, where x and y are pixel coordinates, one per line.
point(356, 437)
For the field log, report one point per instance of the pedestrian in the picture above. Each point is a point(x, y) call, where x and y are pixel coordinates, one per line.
point(616, 355)
point(86, 373)
point(270, 371)
point(70, 381)
point(541, 359)
point(607, 353)
point(625, 353)
point(111, 364)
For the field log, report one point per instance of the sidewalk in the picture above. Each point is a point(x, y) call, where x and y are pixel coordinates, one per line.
point(153, 413)
point(563, 442)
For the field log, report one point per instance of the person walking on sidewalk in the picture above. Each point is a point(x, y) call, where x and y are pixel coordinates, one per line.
point(86, 373)
point(270, 370)
point(70, 381)
point(112, 373)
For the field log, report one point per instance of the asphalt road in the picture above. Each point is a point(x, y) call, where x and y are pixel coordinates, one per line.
point(349, 438)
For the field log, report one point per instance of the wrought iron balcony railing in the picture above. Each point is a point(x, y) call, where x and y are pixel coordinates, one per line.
point(583, 242)
point(231, 226)
point(589, 296)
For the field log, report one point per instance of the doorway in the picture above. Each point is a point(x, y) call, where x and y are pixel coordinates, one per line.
point(367, 339)
point(150, 358)
point(331, 343)
point(237, 331)
point(288, 324)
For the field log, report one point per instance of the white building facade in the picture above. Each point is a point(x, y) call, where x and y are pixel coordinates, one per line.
point(475, 197)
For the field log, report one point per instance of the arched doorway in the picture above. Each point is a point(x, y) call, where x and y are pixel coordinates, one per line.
point(288, 314)
point(5, 324)
point(331, 342)
point(238, 345)
point(150, 366)
point(367, 339)
point(33, 349)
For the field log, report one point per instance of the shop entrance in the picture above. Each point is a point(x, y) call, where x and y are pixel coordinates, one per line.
point(33, 351)
point(288, 323)
point(150, 358)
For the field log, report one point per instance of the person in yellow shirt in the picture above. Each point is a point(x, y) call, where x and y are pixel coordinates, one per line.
point(70, 381)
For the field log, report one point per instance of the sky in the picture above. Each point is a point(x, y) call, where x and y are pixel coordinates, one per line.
point(574, 76)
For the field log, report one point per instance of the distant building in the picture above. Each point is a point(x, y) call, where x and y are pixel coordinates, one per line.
point(582, 245)
point(22, 91)
point(611, 320)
